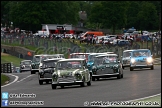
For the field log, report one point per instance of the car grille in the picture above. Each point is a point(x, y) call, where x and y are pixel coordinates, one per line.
point(27, 66)
point(141, 63)
point(126, 62)
point(66, 79)
point(35, 66)
point(105, 71)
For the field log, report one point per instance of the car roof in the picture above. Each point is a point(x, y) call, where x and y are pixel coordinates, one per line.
point(79, 53)
point(97, 53)
point(127, 50)
point(109, 52)
point(102, 53)
point(107, 55)
point(42, 54)
point(139, 49)
point(25, 60)
point(135, 50)
point(72, 59)
point(52, 59)
point(58, 54)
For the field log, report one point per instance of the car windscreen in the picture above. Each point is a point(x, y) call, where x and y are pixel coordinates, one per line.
point(36, 59)
point(91, 58)
point(78, 56)
point(141, 54)
point(105, 60)
point(110, 59)
point(42, 59)
point(26, 63)
point(63, 65)
point(47, 64)
point(126, 54)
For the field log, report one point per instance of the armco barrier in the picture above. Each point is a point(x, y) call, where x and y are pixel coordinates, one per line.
point(6, 68)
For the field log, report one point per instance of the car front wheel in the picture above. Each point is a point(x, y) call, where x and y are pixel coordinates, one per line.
point(89, 83)
point(83, 83)
point(119, 76)
point(152, 67)
point(40, 82)
point(131, 69)
point(32, 72)
point(123, 67)
point(53, 86)
point(93, 79)
point(62, 87)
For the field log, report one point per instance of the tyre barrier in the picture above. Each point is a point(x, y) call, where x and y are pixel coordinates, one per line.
point(7, 68)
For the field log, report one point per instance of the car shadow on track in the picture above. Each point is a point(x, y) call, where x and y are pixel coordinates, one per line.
point(103, 79)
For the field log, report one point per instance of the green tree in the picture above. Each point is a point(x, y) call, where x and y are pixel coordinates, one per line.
point(29, 15)
point(147, 16)
point(111, 14)
point(4, 13)
point(131, 14)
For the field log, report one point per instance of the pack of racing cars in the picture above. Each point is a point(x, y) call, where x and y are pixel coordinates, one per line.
point(83, 68)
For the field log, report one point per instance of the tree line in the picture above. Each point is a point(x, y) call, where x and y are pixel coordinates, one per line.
point(29, 15)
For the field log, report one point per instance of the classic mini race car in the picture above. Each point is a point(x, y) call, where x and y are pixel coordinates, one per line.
point(71, 72)
point(25, 65)
point(79, 55)
point(38, 59)
point(91, 56)
point(106, 66)
point(126, 58)
point(35, 63)
point(141, 58)
point(46, 70)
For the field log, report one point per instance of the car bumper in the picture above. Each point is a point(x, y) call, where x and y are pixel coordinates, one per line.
point(142, 66)
point(127, 65)
point(45, 79)
point(25, 70)
point(67, 83)
point(35, 70)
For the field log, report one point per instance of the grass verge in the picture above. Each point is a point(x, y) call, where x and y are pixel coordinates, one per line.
point(4, 78)
point(9, 59)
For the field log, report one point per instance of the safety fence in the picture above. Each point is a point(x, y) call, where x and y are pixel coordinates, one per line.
point(65, 46)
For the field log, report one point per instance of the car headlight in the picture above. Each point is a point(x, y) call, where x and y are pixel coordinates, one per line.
point(78, 75)
point(149, 60)
point(115, 66)
point(23, 66)
point(88, 65)
point(94, 68)
point(133, 60)
point(54, 75)
point(41, 71)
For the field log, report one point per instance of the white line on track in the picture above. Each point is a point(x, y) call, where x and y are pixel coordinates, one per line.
point(25, 78)
point(145, 97)
point(16, 78)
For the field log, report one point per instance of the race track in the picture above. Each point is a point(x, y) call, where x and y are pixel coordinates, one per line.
point(135, 84)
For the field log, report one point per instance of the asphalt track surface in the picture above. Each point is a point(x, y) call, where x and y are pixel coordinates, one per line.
point(134, 85)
